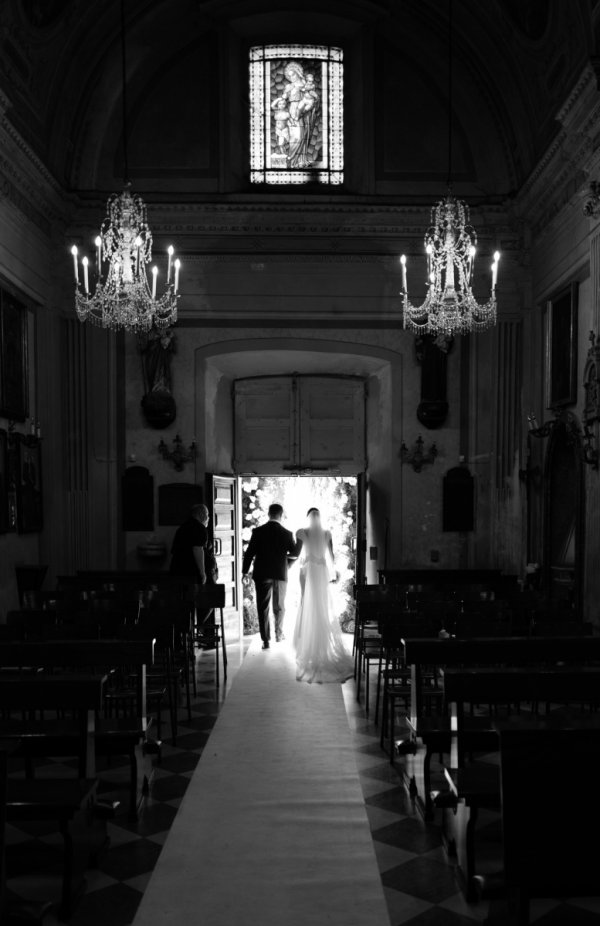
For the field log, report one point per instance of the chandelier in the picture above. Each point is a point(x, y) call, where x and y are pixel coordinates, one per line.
point(116, 293)
point(450, 306)
point(450, 245)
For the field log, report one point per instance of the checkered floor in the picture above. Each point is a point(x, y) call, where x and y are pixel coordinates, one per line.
point(419, 880)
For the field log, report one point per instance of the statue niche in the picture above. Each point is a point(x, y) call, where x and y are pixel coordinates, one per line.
point(156, 350)
point(432, 353)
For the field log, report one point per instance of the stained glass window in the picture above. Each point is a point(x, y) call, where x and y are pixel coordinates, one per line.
point(296, 114)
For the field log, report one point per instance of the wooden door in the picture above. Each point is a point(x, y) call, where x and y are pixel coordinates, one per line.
point(300, 425)
point(223, 495)
point(332, 424)
point(266, 438)
point(361, 529)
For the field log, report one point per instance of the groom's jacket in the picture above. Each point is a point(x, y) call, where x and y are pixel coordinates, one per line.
point(269, 547)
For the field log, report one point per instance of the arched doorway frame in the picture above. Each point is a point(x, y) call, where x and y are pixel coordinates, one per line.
point(367, 359)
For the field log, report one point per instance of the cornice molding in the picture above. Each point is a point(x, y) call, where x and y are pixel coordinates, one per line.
point(27, 184)
point(310, 209)
point(356, 231)
point(258, 262)
point(578, 99)
point(5, 104)
point(569, 159)
point(31, 156)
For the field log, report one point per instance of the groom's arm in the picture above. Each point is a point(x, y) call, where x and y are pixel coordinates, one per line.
point(294, 547)
point(249, 555)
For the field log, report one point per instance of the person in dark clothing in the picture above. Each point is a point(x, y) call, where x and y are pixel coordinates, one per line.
point(270, 547)
point(189, 546)
point(192, 556)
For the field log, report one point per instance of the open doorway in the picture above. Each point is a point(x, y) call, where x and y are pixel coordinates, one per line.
point(336, 497)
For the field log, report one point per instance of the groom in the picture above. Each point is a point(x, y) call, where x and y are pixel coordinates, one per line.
point(270, 546)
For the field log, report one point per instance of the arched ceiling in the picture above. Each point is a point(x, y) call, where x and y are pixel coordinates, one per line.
point(514, 63)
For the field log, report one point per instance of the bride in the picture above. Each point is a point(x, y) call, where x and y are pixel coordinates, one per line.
point(320, 652)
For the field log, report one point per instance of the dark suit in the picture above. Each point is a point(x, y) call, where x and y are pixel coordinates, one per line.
point(270, 546)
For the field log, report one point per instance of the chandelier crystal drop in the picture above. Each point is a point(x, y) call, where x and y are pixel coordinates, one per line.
point(450, 306)
point(121, 295)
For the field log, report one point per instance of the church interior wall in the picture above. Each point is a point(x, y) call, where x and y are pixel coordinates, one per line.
point(257, 260)
point(207, 360)
point(23, 257)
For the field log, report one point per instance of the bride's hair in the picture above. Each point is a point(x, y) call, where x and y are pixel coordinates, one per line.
point(314, 511)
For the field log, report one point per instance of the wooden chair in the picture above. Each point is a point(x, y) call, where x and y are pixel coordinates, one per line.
point(211, 598)
point(29, 580)
point(371, 602)
point(68, 801)
point(394, 684)
point(126, 735)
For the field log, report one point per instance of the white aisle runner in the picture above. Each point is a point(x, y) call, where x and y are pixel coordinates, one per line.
point(272, 830)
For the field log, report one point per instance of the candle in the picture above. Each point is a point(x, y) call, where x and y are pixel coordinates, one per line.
point(74, 253)
point(177, 266)
point(170, 252)
point(85, 274)
point(429, 252)
point(138, 243)
point(98, 243)
point(38, 431)
point(154, 273)
point(403, 262)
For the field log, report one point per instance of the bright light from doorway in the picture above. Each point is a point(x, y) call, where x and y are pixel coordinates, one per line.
point(335, 497)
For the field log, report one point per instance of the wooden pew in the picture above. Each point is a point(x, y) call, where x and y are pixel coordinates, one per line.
point(510, 651)
point(440, 578)
point(112, 736)
point(433, 734)
point(479, 786)
point(67, 801)
point(555, 761)
point(6, 748)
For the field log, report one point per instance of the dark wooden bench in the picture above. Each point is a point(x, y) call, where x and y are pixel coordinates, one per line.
point(66, 801)
point(477, 786)
point(430, 735)
point(549, 778)
point(441, 578)
point(113, 736)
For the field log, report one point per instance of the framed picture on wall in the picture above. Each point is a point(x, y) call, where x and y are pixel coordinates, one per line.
point(28, 484)
point(3, 481)
point(13, 357)
point(561, 348)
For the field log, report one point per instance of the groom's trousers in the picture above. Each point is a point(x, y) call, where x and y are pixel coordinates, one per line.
point(267, 589)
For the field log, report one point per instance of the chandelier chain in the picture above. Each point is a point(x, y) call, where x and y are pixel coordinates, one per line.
point(123, 297)
point(124, 94)
point(450, 88)
point(450, 245)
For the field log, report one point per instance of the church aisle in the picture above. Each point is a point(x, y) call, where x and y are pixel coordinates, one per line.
point(273, 826)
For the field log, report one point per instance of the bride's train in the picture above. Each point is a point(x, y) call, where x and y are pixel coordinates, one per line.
point(321, 655)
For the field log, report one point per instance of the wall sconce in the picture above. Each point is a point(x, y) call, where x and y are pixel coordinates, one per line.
point(417, 457)
point(590, 452)
point(533, 473)
point(178, 455)
point(584, 437)
point(592, 203)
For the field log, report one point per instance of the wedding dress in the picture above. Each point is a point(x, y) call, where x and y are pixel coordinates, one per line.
point(320, 652)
